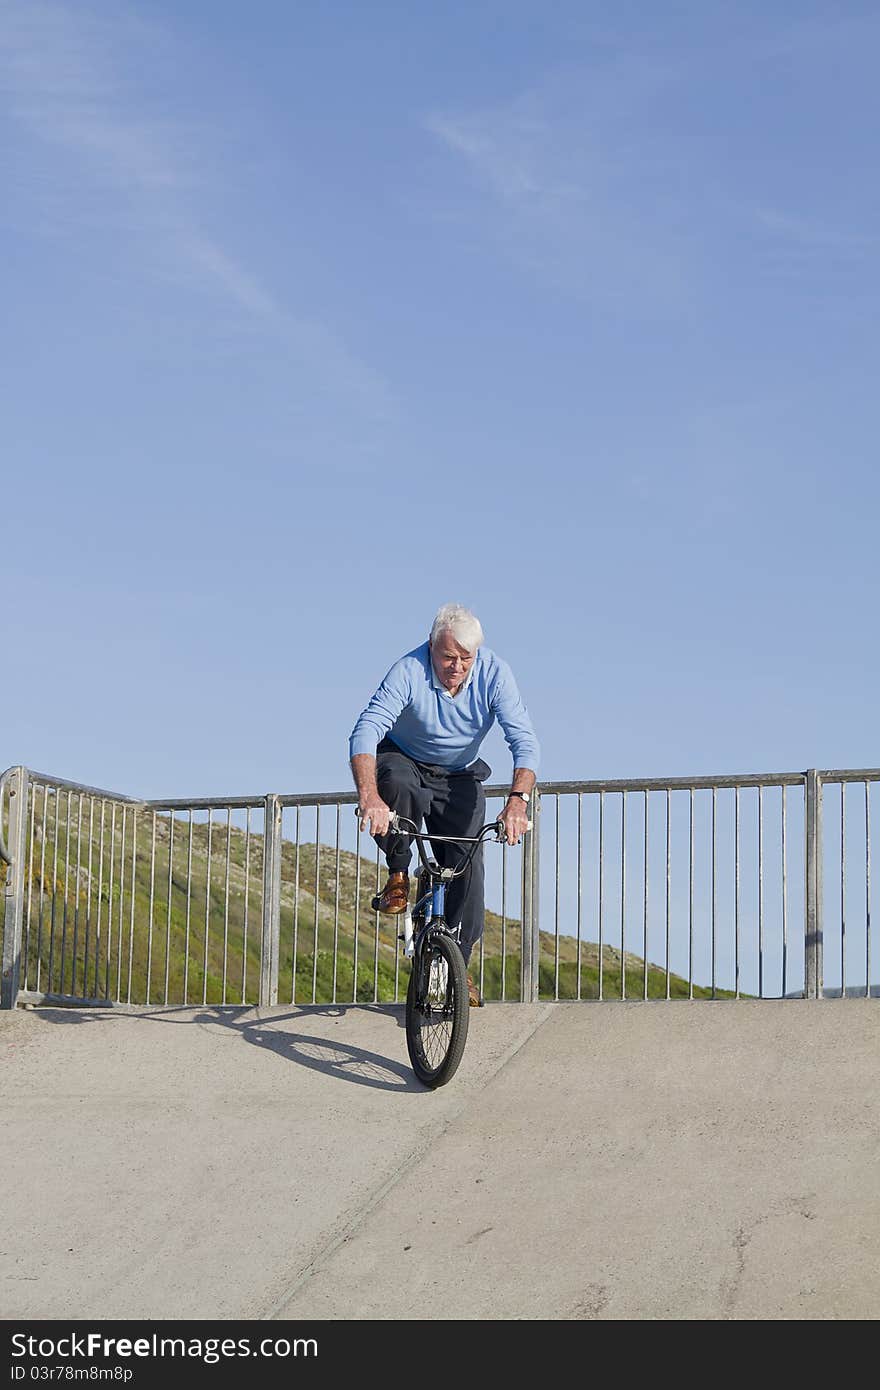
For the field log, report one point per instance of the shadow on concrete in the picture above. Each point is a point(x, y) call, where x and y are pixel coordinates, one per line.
point(268, 1031)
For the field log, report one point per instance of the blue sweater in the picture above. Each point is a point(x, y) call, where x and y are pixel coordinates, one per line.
point(432, 726)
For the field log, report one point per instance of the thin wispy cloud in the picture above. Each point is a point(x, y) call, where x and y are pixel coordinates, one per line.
point(624, 180)
point(67, 79)
point(564, 182)
point(99, 149)
point(811, 232)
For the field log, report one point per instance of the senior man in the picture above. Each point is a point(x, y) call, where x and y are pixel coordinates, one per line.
point(414, 750)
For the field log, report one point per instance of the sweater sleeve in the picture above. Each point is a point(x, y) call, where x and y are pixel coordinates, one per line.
point(380, 715)
point(512, 715)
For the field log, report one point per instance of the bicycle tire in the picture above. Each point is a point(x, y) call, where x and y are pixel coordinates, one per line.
point(437, 1026)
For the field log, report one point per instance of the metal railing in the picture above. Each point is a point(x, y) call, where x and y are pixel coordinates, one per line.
point(703, 887)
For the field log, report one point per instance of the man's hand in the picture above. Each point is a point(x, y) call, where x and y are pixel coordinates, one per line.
point(372, 811)
point(515, 819)
point(371, 808)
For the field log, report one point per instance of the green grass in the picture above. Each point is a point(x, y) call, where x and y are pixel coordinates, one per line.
point(170, 932)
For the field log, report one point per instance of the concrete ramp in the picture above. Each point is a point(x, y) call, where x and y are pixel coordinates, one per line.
point(589, 1161)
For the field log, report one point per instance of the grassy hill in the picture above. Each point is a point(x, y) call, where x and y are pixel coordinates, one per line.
point(180, 922)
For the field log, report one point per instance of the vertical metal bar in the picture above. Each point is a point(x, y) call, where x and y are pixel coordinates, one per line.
point(189, 864)
point(623, 895)
point(504, 922)
point(295, 913)
point(51, 962)
point(121, 905)
point(317, 879)
point(357, 910)
point(601, 894)
point(78, 891)
point(813, 895)
point(207, 909)
point(39, 920)
point(691, 902)
point(556, 911)
point(580, 876)
point(100, 888)
point(336, 916)
point(14, 888)
point(713, 884)
point(270, 950)
point(645, 916)
point(88, 895)
point(66, 891)
point(376, 938)
point(109, 899)
point(247, 889)
point(668, 886)
point(169, 912)
point(761, 893)
point(133, 896)
point(867, 894)
point(736, 893)
point(533, 990)
point(525, 908)
point(843, 890)
point(147, 999)
point(100, 891)
point(226, 901)
point(784, 904)
point(25, 952)
point(530, 938)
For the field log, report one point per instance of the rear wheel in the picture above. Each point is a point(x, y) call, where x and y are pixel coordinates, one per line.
point(437, 1011)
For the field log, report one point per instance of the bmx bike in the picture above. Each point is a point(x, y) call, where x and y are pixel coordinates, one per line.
point(437, 1002)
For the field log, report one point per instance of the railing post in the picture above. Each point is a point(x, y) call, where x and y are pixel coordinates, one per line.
point(13, 892)
point(813, 898)
point(271, 940)
point(531, 940)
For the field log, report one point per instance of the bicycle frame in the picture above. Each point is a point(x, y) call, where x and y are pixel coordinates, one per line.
point(437, 998)
point(433, 902)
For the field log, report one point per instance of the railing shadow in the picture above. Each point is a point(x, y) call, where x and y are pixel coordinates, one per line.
point(264, 1029)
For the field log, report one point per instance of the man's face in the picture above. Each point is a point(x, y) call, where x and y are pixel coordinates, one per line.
point(451, 662)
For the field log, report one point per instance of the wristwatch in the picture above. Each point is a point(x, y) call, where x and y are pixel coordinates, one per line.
point(523, 796)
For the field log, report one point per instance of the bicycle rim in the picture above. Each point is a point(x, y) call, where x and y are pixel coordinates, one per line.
point(437, 1012)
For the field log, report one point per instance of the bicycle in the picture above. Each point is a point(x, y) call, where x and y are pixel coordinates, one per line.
point(437, 1002)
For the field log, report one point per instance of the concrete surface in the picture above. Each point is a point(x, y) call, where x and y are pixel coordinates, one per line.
point(589, 1161)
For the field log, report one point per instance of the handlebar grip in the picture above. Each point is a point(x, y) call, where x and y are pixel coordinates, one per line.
point(392, 822)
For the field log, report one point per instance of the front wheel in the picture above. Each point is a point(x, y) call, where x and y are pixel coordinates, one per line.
point(437, 1011)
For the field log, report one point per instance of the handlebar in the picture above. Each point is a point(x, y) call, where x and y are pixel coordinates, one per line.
point(398, 822)
point(401, 823)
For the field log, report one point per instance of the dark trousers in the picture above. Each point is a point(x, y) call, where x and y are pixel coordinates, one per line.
point(451, 803)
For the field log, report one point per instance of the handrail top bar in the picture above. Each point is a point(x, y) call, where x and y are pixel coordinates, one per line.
point(865, 774)
point(206, 803)
point(46, 779)
point(662, 784)
point(621, 784)
point(349, 798)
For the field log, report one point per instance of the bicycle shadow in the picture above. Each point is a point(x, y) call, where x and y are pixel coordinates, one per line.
point(329, 1055)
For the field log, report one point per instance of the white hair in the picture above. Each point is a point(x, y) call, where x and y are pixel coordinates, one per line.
point(461, 622)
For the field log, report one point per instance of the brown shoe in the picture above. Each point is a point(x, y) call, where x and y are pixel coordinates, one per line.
point(395, 895)
point(474, 995)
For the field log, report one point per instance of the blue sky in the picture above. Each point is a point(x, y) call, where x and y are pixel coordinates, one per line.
point(318, 316)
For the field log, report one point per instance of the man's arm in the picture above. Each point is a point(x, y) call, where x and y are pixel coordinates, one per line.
point(516, 813)
point(372, 725)
point(513, 717)
point(373, 811)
